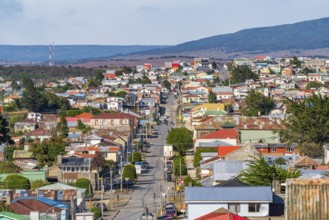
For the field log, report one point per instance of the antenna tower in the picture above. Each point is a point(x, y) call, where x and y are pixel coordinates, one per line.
point(51, 60)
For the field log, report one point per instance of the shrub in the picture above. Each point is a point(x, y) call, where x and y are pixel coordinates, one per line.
point(180, 166)
point(16, 181)
point(84, 183)
point(129, 171)
point(137, 157)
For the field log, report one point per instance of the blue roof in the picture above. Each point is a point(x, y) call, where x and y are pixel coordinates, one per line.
point(229, 194)
point(47, 201)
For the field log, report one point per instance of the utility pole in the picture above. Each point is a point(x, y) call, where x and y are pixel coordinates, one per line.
point(121, 174)
point(102, 204)
point(111, 189)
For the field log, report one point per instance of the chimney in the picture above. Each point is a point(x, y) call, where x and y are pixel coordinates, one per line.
point(9, 197)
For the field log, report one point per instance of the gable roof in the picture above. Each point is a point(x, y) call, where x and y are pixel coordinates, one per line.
point(306, 162)
point(224, 150)
point(229, 194)
point(113, 115)
point(222, 134)
point(221, 214)
point(38, 132)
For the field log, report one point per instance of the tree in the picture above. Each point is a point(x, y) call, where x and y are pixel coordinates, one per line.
point(14, 85)
point(296, 62)
point(214, 65)
point(8, 167)
point(121, 94)
point(212, 97)
point(180, 138)
point(257, 104)
point(32, 99)
point(4, 131)
point(137, 157)
point(97, 212)
point(308, 121)
point(98, 161)
point(84, 183)
point(16, 181)
point(311, 149)
point(8, 153)
point(241, 74)
point(180, 166)
point(189, 181)
point(129, 171)
point(280, 160)
point(46, 152)
point(260, 173)
point(62, 128)
point(80, 126)
point(315, 85)
point(166, 84)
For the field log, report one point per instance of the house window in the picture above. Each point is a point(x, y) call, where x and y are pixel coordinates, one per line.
point(112, 122)
point(103, 122)
point(253, 207)
point(234, 207)
point(289, 149)
point(121, 122)
point(96, 122)
point(274, 149)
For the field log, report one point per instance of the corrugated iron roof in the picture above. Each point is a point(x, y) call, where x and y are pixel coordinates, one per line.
point(231, 194)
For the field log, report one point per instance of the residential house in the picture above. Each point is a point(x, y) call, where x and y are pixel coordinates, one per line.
point(53, 209)
point(119, 120)
point(224, 170)
point(221, 214)
point(25, 125)
point(259, 129)
point(249, 201)
point(228, 136)
point(77, 166)
point(39, 134)
point(115, 103)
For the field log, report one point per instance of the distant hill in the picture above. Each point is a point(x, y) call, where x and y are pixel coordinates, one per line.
point(306, 35)
point(67, 53)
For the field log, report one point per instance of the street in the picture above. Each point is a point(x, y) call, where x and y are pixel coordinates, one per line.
point(151, 186)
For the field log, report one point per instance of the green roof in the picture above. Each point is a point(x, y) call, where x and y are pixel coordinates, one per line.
point(228, 125)
point(31, 175)
point(12, 216)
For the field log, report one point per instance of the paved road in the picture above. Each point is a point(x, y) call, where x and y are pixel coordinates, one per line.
point(151, 185)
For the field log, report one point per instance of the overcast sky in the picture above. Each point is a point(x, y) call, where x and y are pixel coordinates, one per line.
point(143, 22)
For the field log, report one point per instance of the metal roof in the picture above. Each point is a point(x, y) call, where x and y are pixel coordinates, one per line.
point(229, 194)
point(227, 169)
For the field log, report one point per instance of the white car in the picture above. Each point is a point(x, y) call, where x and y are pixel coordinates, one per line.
point(149, 216)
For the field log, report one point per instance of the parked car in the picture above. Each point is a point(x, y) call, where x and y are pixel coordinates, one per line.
point(144, 162)
point(171, 212)
point(155, 131)
point(170, 205)
point(149, 216)
point(164, 218)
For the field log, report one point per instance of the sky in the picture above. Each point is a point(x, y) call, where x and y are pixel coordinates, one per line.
point(143, 22)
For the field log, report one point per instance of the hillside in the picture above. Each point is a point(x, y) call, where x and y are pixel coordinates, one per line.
point(66, 53)
point(306, 35)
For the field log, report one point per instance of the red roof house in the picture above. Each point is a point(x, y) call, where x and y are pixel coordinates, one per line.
point(225, 150)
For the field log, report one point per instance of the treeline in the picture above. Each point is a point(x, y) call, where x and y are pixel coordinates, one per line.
point(46, 72)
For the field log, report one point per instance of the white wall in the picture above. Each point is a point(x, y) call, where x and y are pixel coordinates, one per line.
point(197, 210)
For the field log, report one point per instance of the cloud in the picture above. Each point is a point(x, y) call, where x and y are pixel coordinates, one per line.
point(143, 21)
point(9, 8)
